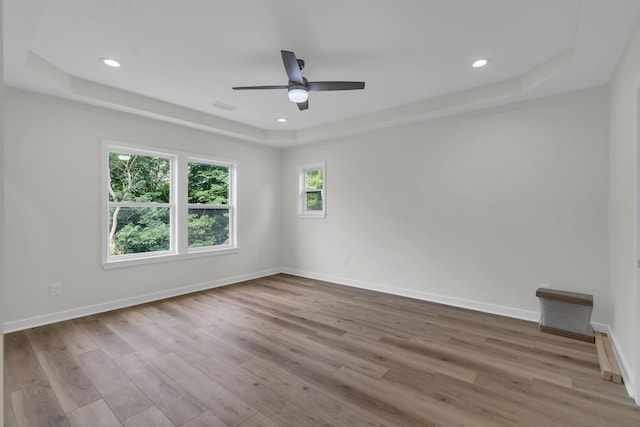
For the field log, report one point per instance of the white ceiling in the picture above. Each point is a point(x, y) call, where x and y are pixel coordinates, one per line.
point(180, 57)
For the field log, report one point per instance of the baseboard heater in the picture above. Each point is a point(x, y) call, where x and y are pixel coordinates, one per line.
point(566, 313)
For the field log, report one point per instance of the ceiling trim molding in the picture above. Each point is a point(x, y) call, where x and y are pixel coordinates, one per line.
point(494, 94)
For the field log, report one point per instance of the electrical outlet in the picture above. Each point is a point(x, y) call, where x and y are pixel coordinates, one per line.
point(544, 285)
point(55, 289)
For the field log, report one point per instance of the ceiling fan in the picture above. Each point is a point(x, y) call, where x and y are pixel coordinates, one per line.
point(299, 86)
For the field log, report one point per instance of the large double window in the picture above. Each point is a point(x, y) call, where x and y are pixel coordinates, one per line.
point(160, 204)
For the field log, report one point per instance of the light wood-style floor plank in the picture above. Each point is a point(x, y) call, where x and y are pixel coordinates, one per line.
point(330, 355)
point(105, 338)
point(222, 402)
point(151, 417)
point(307, 396)
point(69, 382)
point(74, 339)
point(137, 338)
point(167, 395)
point(37, 405)
point(205, 419)
point(414, 409)
point(176, 342)
point(21, 366)
point(122, 396)
point(287, 351)
point(96, 414)
point(9, 414)
point(267, 401)
point(259, 420)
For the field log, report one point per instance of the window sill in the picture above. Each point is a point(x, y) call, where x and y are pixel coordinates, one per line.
point(166, 257)
point(312, 215)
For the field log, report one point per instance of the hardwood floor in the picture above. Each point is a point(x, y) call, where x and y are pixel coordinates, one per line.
point(288, 351)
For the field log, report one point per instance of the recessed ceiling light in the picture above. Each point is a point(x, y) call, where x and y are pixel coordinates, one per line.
point(282, 120)
point(110, 62)
point(479, 63)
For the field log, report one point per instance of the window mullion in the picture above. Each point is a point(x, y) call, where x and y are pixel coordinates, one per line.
point(182, 208)
point(139, 205)
point(205, 206)
point(233, 201)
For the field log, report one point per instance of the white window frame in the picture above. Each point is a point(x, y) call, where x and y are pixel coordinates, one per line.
point(302, 190)
point(231, 205)
point(179, 208)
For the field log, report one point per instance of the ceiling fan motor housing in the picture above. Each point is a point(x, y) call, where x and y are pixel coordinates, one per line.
point(298, 92)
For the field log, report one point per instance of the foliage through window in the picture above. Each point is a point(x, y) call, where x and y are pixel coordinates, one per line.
point(208, 205)
point(139, 203)
point(161, 204)
point(311, 179)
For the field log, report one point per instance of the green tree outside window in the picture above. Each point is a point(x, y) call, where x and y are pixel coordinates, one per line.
point(313, 185)
point(139, 196)
point(209, 209)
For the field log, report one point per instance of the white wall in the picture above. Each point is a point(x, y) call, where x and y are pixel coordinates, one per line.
point(52, 206)
point(2, 300)
point(623, 212)
point(477, 209)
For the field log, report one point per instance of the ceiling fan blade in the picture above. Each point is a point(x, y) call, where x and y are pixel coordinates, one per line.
point(335, 85)
point(291, 65)
point(260, 87)
point(303, 105)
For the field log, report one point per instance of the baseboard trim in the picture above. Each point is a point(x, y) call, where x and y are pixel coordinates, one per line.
point(532, 316)
point(60, 316)
point(628, 378)
point(516, 313)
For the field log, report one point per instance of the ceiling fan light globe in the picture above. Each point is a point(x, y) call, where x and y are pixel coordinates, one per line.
point(298, 95)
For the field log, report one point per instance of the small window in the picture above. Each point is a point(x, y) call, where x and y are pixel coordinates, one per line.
point(312, 183)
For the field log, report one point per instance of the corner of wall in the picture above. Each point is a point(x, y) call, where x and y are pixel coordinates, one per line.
point(624, 209)
point(1, 219)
